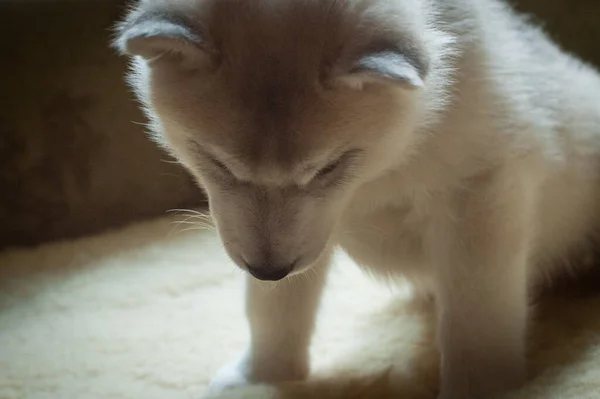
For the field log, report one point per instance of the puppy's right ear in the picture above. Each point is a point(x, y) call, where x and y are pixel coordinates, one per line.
point(156, 35)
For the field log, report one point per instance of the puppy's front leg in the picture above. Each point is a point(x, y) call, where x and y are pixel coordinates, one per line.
point(480, 256)
point(282, 318)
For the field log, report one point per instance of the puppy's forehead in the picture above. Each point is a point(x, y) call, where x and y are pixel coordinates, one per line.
point(278, 139)
point(281, 29)
point(274, 55)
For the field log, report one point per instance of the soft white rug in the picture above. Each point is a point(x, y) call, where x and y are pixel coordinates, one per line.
point(149, 312)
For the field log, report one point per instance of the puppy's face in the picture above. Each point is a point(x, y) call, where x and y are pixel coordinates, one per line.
point(280, 109)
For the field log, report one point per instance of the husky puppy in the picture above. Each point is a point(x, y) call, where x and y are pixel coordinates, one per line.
point(446, 141)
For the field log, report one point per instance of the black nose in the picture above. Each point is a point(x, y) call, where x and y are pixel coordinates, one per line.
point(269, 273)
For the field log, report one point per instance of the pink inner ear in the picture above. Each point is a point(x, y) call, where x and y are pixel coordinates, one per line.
point(154, 48)
point(384, 66)
point(156, 37)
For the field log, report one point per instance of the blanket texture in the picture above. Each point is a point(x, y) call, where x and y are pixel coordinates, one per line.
point(152, 312)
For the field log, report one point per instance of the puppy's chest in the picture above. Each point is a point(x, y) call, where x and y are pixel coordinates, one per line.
point(387, 239)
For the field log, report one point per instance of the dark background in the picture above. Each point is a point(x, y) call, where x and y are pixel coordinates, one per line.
point(74, 159)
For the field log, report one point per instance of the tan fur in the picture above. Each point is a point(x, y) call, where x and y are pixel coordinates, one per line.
point(475, 186)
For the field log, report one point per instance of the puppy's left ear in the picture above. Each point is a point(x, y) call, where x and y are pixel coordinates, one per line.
point(155, 35)
point(387, 66)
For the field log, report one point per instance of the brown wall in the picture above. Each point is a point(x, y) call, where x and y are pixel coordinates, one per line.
point(72, 160)
point(575, 24)
point(73, 157)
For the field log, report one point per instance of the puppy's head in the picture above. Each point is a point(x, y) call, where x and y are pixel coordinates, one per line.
point(280, 108)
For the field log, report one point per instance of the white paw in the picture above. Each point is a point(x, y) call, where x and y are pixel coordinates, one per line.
point(233, 375)
point(246, 371)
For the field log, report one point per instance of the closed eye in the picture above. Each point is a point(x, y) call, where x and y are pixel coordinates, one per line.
point(330, 168)
point(207, 158)
point(219, 165)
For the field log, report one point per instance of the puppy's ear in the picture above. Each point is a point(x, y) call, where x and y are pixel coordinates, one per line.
point(386, 66)
point(155, 35)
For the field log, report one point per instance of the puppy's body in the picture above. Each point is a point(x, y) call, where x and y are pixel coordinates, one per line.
point(445, 141)
point(522, 112)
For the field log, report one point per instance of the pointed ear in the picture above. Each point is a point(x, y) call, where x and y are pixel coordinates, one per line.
point(387, 66)
point(156, 35)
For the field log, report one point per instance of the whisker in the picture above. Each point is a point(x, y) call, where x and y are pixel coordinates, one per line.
point(196, 223)
point(193, 211)
point(180, 222)
point(195, 228)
